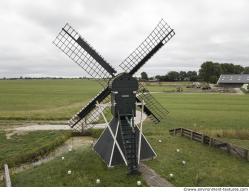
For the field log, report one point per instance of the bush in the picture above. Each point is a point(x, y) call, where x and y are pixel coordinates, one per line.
point(179, 89)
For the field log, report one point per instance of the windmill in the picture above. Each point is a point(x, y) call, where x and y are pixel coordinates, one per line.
point(122, 141)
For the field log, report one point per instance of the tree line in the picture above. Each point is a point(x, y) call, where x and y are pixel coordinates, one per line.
point(208, 72)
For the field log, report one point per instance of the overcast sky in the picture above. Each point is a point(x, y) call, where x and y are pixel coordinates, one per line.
point(216, 30)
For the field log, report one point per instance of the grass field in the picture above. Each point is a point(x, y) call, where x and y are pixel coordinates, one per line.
point(204, 166)
point(219, 115)
point(206, 111)
point(23, 148)
point(171, 87)
point(85, 166)
point(44, 99)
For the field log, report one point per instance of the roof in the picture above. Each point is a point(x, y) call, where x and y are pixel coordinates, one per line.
point(238, 78)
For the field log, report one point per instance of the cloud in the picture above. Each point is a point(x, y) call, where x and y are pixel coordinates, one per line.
point(205, 30)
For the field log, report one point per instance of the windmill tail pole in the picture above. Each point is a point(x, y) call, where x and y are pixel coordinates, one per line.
point(7, 176)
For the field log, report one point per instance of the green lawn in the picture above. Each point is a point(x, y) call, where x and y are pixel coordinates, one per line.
point(44, 99)
point(23, 148)
point(210, 113)
point(169, 86)
point(85, 166)
point(205, 166)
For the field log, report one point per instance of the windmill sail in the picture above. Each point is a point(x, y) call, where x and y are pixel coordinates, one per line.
point(152, 107)
point(76, 48)
point(89, 113)
point(157, 38)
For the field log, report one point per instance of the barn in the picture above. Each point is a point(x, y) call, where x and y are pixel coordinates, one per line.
point(233, 80)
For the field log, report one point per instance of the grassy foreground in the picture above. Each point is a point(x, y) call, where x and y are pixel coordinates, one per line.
point(204, 166)
point(23, 148)
point(85, 168)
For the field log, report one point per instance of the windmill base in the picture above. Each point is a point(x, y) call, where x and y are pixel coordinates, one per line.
point(112, 154)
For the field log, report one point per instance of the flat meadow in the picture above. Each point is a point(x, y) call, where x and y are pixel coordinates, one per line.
point(44, 99)
point(222, 115)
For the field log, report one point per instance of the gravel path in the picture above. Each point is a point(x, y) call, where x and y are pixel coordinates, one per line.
point(45, 127)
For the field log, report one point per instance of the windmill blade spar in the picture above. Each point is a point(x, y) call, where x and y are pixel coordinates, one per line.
point(156, 39)
point(81, 52)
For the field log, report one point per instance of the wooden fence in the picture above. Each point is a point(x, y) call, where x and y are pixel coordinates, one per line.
point(212, 142)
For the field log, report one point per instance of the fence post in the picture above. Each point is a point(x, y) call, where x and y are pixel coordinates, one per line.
point(181, 131)
point(202, 138)
point(228, 147)
point(247, 155)
point(210, 141)
point(7, 176)
point(191, 135)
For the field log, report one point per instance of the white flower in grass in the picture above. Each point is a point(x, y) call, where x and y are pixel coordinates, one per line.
point(70, 148)
point(177, 150)
point(62, 158)
point(98, 181)
point(139, 183)
point(183, 162)
point(69, 172)
point(160, 141)
point(171, 175)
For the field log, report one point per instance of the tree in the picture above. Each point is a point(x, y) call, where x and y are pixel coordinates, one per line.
point(192, 75)
point(173, 76)
point(246, 70)
point(144, 76)
point(213, 79)
point(182, 75)
point(238, 69)
point(227, 68)
point(209, 71)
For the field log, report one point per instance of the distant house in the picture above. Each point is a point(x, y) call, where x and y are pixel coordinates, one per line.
point(233, 80)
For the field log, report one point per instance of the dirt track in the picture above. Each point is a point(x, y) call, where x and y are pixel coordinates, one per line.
point(45, 127)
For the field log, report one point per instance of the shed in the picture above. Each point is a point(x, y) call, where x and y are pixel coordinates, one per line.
point(233, 80)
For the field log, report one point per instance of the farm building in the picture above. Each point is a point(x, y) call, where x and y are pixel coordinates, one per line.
point(233, 80)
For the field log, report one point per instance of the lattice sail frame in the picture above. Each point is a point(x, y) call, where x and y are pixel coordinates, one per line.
point(89, 113)
point(161, 34)
point(92, 118)
point(158, 111)
point(66, 41)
